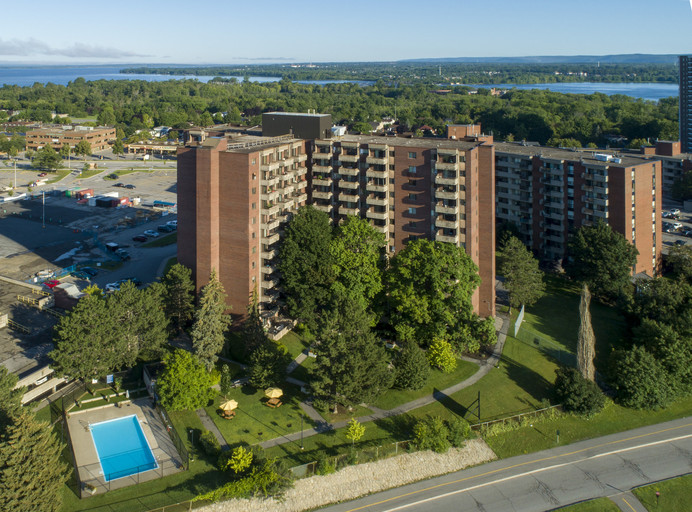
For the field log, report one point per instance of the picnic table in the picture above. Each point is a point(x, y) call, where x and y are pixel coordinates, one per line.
point(274, 402)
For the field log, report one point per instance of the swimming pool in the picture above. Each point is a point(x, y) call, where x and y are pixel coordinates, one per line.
point(122, 447)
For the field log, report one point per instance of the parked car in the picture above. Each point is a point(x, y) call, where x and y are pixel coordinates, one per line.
point(139, 238)
point(80, 275)
point(677, 225)
point(42, 174)
point(675, 212)
point(118, 184)
point(112, 176)
point(680, 242)
point(111, 287)
point(165, 228)
point(123, 254)
point(130, 186)
point(172, 223)
point(688, 232)
point(151, 233)
point(89, 270)
point(134, 280)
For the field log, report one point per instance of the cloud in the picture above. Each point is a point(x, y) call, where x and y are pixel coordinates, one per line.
point(27, 47)
point(275, 59)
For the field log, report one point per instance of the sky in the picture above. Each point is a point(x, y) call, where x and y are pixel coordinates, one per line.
point(271, 31)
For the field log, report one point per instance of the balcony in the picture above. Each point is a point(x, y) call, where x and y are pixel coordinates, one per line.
point(269, 297)
point(553, 238)
point(270, 208)
point(271, 225)
point(322, 151)
point(288, 189)
point(350, 185)
point(301, 171)
point(441, 179)
point(442, 166)
point(268, 284)
point(271, 181)
point(371, 160)
point(600, 214)
point(348, 198)
point(376, 201)
point(443, 194)
point(553, 215)
point(440, 208)
point(382, 229)
point(269, 254)
point(449, 239)
point(326, 208)
point(349, 211)
point(322, 182)
point(372, 173)
point(345, 171)
point(271, 239)
point(300, 198)
point(267, 270)
point(372, 214)
point(322, 195)
point(269, 195)
point(372, 187)
point(349, 158)
point(326, 169)
point(301, 158)
point(271, 166)
point(451, 224)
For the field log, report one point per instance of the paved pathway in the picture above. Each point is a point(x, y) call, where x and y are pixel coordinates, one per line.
point(211, 427)
point(502, 325)
point(296, 362)
point(628, 502)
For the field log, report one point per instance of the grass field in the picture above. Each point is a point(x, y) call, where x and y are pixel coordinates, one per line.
point(169, 239)
point(675, 495)
point(294, 343)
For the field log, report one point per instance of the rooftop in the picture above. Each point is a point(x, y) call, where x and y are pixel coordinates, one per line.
point(587, 156)
point(296, 114)
point(406, 142)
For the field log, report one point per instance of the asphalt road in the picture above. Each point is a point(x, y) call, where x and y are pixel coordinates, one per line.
point(543, 481)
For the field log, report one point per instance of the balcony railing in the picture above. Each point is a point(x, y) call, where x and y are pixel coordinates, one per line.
point(449, 239)
point(327, 208)
point(375, 188)
point(372, 214)
point(345, 171)
point(440, 208)
point(351, 185)
point(348, 211)
point(441, 179)
point(452, 224)
point(372, 173)
point(444, 194)
point(377, 201)
point(349, 158)
point(371, 160)
point(442, 166)
point(322, 182)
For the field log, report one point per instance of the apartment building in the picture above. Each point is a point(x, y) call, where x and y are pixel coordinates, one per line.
point(685, 117)
point(413, 188)
point(100, 138)
point(674, 163)
point(233, 195)
point(549, 192)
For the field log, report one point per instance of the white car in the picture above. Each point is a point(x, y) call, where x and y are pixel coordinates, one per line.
point(677, 225)
point(674, 211)
point(172, 223)
point(151, 233)
point(111, 287)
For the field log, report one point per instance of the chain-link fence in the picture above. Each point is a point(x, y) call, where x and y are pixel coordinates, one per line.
point(549, 347)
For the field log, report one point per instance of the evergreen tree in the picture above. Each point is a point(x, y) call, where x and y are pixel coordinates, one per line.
point(412, 367)
point(253, 328)
point(211, 322)
point(586, 342)
point(184, 384)
point(32, 473)
point(523, 278)
point(179, 298)
point(10, 398)
point(267, 366)
point(352, 365)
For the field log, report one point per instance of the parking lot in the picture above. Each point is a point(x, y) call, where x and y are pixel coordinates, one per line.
point(677, 237)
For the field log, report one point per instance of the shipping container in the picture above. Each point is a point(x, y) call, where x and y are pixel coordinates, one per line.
point(82, 194)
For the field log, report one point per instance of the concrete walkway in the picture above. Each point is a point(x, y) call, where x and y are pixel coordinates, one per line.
point(297, 361)
point(628, 502)
point(209, 424)
point(502, 326)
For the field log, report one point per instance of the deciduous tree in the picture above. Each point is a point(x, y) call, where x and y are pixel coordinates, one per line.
point(83, 148)
point(576, 393)
point(441, 355)
point(355, 431)
point(185, 383)
point(47, 158)
point(523, 277)
point(640, 380)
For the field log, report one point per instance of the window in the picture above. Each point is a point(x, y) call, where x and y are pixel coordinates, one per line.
point(254, 250)
point(254, 190)
point(254, 206)
point(412, 169)
point(254, 161)
point(412, 183)
point(254, 235)
point(412, 211)
point(253, 264)
point(253, 220)
point(412, 197)
point(412, 154)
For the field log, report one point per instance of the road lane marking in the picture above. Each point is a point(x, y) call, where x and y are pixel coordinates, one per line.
point(411, 493)
point(628, 504)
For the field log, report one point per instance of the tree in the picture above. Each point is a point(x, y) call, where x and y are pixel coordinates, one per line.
point(640, 380)
point(430, 287)
point(142, 324)
point(601, 258)
point(107, 116)
point(680, 261)
point(83, 148)
point(226, 381)
point(431, 433)
point(83, 341)
point(352, 366)
point(412, 367)
point(362, 127)
point(47, 158)
point(441, 355)
point(523, 278)
point(357, 254)
point(254, 332)
point(355, 431)
point(306, 265)
point(586, 342)
point(267, 366)
point(65, 150)
point(664, 300)
point(179, 299)
point(577, 394)
point(211, 322)
point(184, 384)
point(117, 147)
point(10, 398)
point(239, 461)
point(32, 473)
point(206, 119)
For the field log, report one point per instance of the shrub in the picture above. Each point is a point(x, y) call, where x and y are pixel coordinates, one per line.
point(441, 355)
point(431, 433)
point(325, 464)
point(640, 380)
point(577, 394)
point(239, 461)
point(210, 445)
point(226, 381)
point(459, 431)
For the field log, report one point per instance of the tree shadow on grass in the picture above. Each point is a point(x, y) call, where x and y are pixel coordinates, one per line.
point(527, 379)
point(399, 427)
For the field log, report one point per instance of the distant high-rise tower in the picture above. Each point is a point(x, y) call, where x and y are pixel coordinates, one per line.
point(686, 103)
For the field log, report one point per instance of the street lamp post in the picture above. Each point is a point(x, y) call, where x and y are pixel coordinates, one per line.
point(301, 432)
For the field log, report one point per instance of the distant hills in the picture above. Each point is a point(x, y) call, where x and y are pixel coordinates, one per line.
point(626, 58)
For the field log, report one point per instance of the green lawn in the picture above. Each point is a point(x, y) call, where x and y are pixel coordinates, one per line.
point(60, 174)
point(675, 495)
point(169, 239)
point(294, 343)
point(597, 505)
point(438, 381)
point(255, 422)
point(303, 369)
point(169, 264)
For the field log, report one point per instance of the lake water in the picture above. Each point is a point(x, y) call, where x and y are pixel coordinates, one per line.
point(27, 76)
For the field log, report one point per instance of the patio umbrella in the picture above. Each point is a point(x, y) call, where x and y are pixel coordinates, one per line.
point(228, 406)
point(273, 392)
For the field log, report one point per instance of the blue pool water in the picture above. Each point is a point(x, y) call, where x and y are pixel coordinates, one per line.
point(122, 448)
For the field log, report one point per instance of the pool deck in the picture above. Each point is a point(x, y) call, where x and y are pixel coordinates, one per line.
point(86, 458)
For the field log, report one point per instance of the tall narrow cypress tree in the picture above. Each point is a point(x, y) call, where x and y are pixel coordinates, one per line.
point(586, 342)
